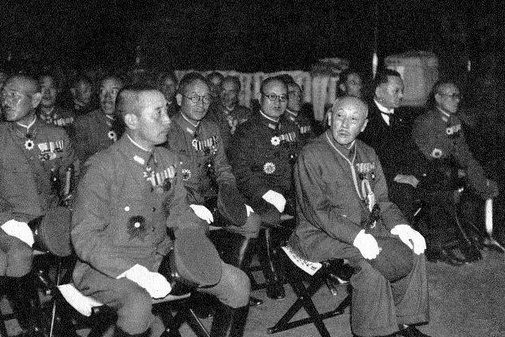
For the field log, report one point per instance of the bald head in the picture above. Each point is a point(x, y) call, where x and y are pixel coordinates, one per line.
point(348, 119)
point(20, 96)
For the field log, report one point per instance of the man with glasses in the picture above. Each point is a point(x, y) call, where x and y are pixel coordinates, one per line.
point(101, 128)
point(228, 113)
point(262, 153)
point(440, 137)
point(206, 173)
point(34, 159)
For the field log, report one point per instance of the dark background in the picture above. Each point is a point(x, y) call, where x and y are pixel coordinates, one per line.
point(246, 35)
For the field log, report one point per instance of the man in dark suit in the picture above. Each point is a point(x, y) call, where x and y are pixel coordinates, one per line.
point(388, 133)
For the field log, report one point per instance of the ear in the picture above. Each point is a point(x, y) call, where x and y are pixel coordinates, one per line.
point(438, 98)
point(178, 97)
point(378, 92)
point(364, 125)
point(131, 120)
point(341, 86)
point(73, 91)
point(36, 98)
point(328, 117)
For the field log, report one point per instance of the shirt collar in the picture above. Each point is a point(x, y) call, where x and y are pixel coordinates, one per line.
point(383, 109)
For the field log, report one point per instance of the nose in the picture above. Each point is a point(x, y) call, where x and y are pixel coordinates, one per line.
point(165, 120)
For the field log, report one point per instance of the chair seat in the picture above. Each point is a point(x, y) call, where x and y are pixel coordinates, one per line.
point(85, 304)
point(307, 266)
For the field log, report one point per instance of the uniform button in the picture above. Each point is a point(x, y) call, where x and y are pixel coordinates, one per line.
point(136, 225)
point(127, 208)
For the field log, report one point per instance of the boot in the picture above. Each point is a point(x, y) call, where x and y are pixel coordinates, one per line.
point(229, 322)
point(267, 255)
point(239, 254)
point(25, 302)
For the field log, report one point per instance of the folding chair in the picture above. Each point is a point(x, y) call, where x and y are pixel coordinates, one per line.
point(102, 317)
point(319, 274)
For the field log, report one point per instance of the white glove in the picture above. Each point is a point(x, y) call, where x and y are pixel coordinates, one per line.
point(249, 210)
point(19, 230)
point(367, 245)
point(275, 199)
point(203, 213)
point(410, 237)
point(156, 285)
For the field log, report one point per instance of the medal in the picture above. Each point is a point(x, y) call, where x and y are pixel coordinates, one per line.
point(29, 144)
point(269, 168)
point(112, 135)
point(275, 141)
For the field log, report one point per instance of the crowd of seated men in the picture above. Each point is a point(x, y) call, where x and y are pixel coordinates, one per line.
point(236, 168)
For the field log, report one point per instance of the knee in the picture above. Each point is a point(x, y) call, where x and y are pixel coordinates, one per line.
point(19, 260)
point(236, 287)
point(135, 312)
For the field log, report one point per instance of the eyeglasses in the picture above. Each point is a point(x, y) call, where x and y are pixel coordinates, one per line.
point(273, 97)
point(452, 96)
point(206, 99)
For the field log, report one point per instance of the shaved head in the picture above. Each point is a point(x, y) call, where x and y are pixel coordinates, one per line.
point(348, 119)
point(350, 102)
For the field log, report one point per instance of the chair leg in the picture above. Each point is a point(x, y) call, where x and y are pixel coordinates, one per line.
point(267, 256)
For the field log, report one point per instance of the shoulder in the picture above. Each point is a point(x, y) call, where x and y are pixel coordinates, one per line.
point(316, 147)
point(365, 148)
point(209, 125)
point(87, 118)
point(425, 118)
point(52, 130)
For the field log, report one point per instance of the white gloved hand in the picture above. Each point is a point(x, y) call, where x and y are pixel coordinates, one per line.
point(156, 284)
point(275, 199)
point(203, 213)
point(410, 237)
point(367, 245)
point(19, 230)
point(249, 210)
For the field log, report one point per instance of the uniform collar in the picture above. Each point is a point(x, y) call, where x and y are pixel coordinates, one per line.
point(25, 130)
point(268, 121)
point(135, 151)
point(444, 115)
point(186, 125)
point(291, 115)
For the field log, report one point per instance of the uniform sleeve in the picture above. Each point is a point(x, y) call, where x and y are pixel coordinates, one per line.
point(475, 172)
point(312, 197)
point(180, 215)
point(248, 182)
point(90, 220)
point(222, 167)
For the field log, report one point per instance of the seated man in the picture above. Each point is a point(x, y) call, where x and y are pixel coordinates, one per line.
point(440, 138)
point(48, 111)
point(130, 194)
point(350, 84)
point(390, 136)
point(206, 173)
point(167, 84)
point(294, 113)
point(262, 153)
point(227, 113)
point(34, 158)
point(82, 95)
point(344, 213)
point(100, 128)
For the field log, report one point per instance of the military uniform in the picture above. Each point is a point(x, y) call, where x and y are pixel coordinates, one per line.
point(125, 202)
point(305, 125)
point(335, 187)
point(228, 120)
point(203, 162)
point(30, 160)
point(94, 132)
point(262, 154)
point(440, 138)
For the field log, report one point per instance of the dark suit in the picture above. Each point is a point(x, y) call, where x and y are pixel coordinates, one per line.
point(398, 154)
